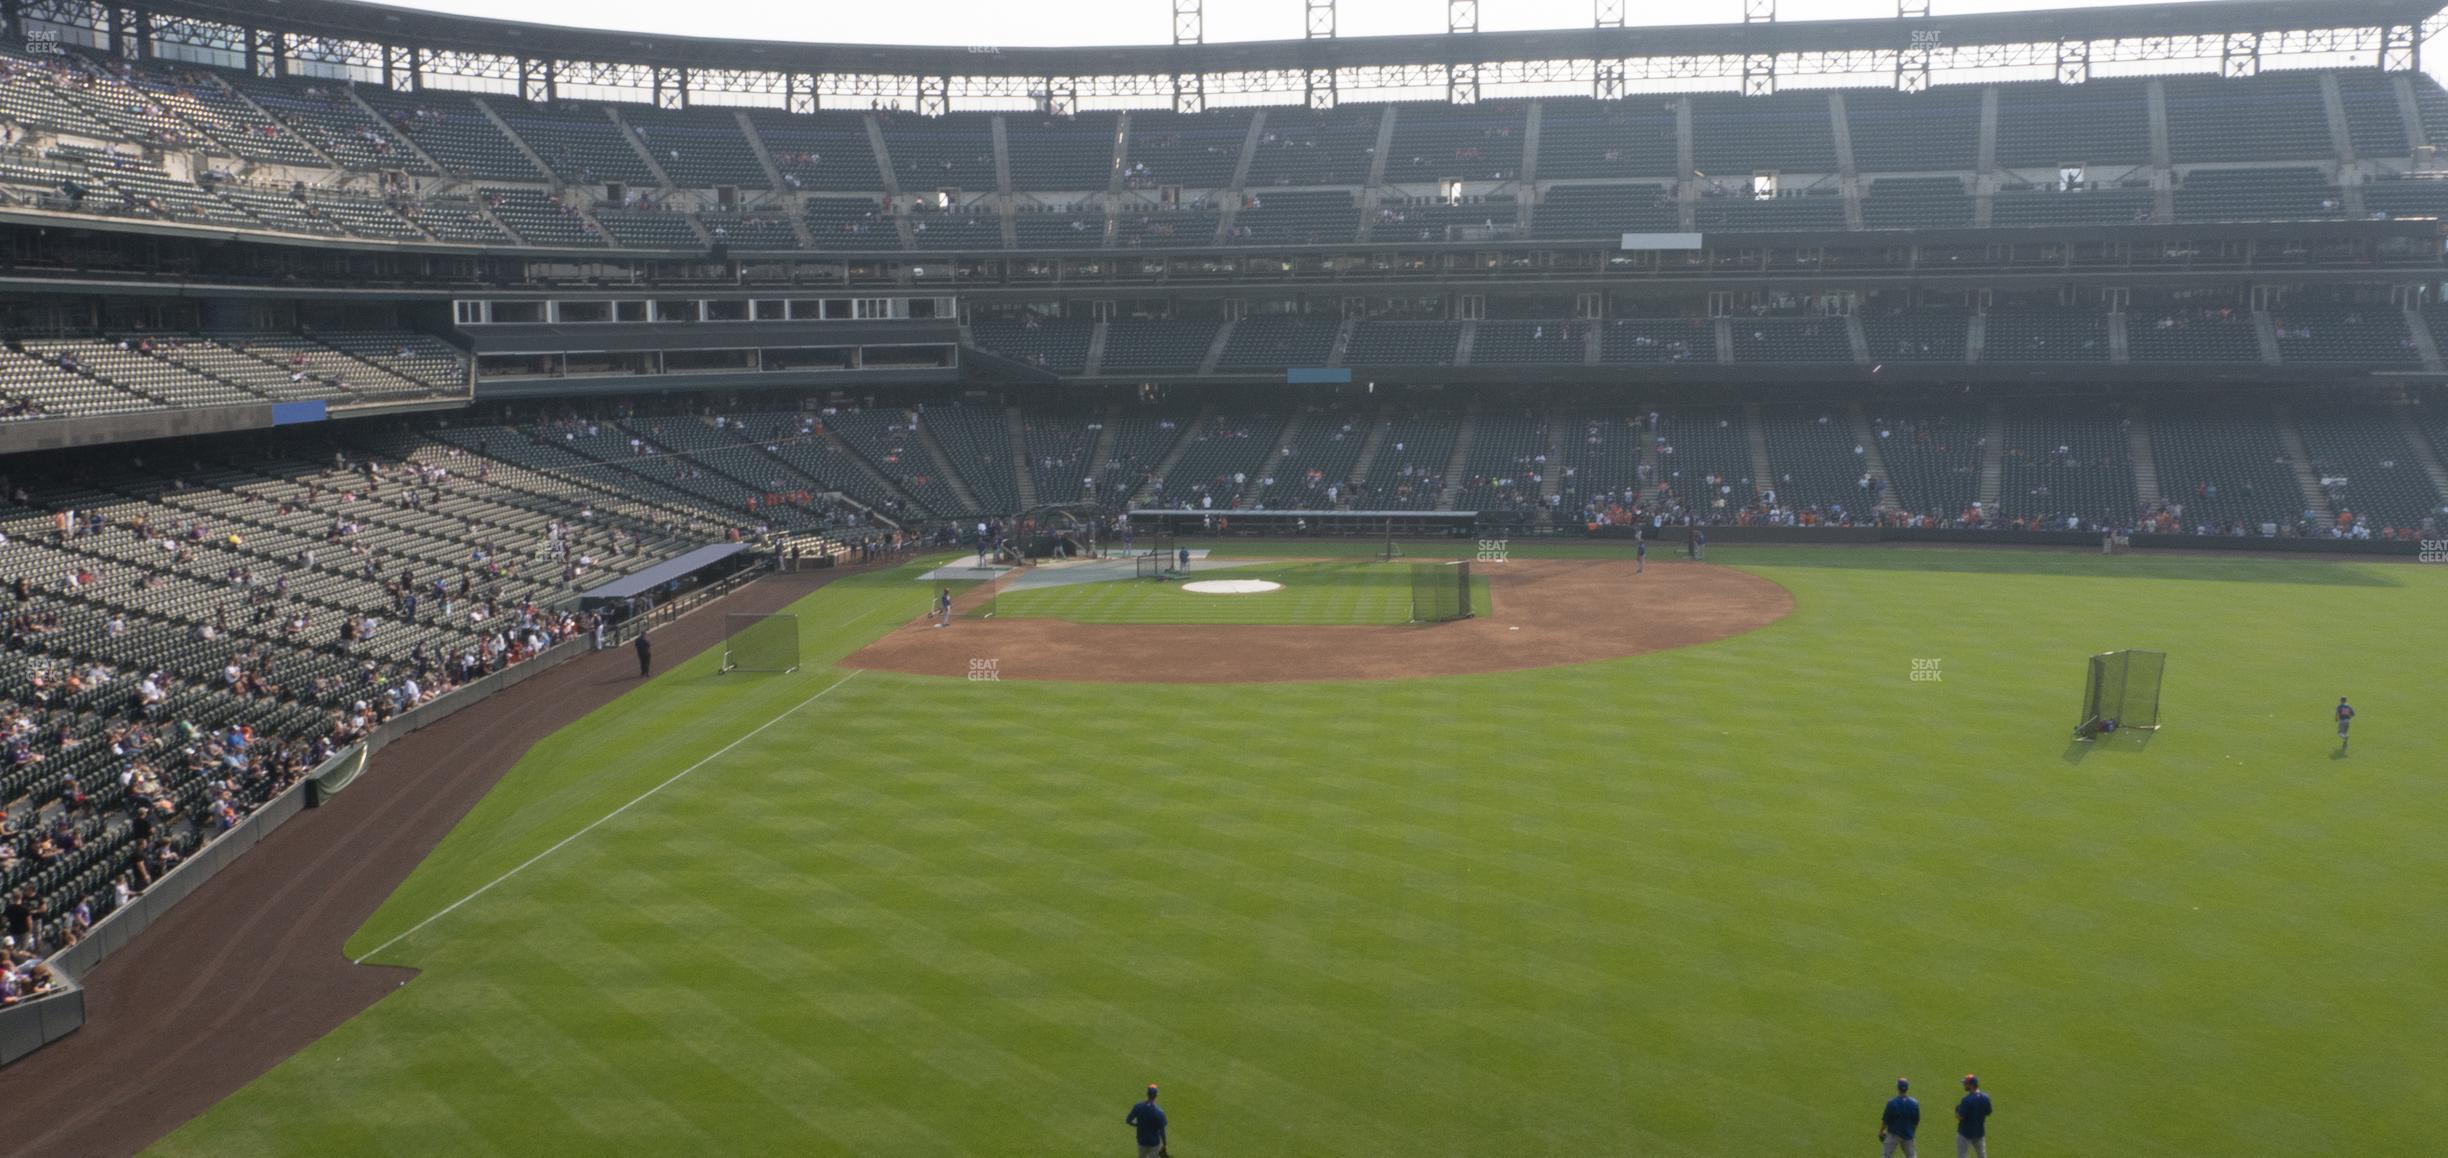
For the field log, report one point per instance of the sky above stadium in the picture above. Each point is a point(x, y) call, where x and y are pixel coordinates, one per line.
point(1014, 23)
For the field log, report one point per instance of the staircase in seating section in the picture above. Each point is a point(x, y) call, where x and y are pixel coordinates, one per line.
point(1763, 473)
point(1873, 462)
point(2145, 459)
point(1551, 476)
point(1024, 470)
point(943, 462)
point(1148, 494)
point(2425, 455)
point(1102, 452)
point(2299, 460)
point(1652, 469)
point(1993, 460)
point(1256, 485)
point(1460, 458)
point(1370, 444)
point(883, 482)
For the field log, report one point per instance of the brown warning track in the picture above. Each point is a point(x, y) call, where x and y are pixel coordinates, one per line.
point(248, 969)
point(1547, 612)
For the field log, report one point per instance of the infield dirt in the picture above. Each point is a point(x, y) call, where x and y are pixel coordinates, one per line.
point(1546, 612)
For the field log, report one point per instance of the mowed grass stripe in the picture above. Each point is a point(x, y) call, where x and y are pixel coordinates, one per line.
point(1707, 901)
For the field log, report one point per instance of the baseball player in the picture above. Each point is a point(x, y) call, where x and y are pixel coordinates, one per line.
point(1899, 1122)
point(943, 607)
point(1148, 1125)
point(1972, 1120)
point(2345, 716)
point(1640, 554)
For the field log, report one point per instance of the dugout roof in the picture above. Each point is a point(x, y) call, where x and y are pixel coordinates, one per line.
point(664, 572)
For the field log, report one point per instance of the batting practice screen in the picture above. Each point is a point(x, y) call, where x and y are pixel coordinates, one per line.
point(1440, 592)
point(760, 642)
point(2122, 689)
point(1151, 566)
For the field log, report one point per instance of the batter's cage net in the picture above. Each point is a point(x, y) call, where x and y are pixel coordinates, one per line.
point(1440, 592)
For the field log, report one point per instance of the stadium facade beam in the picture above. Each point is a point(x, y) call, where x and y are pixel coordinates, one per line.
point(538, 80)
point(1913, 63)
point(934, 95)
point(267, 53)
point(2401, 47)
point(1189, 30)
point(399, 68)
point(1061, 97)
point(1759, 73)
point(1462, 77)
point(369, 44)
point(1607, 13)
point(2073, 62)
point(1318, 88)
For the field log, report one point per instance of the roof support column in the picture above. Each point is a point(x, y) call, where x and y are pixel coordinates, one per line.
point(536, 81)
point(1189, 27)
point(1462, 78)
point(267, 53)
point(2401, 48)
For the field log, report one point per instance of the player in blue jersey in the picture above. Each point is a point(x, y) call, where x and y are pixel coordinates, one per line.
point(2345, 716)
point(1148, 1124)
point(1899, 1122)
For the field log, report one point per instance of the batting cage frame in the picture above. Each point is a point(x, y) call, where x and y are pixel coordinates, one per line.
point(755, 641)
point(2121, 692)
point(1149, 566)
point(1440, 592)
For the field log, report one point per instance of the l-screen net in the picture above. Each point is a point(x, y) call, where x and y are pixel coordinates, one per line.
point(1440, 592)
point(753, 642)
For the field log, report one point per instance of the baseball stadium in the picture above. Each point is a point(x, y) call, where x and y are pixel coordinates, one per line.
point(1694, 583)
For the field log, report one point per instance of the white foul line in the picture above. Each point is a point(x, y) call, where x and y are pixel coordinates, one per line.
point(641, 797)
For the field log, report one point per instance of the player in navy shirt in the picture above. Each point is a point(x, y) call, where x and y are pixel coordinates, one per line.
point(2345, 716)
point(1972, 1120)
point(1899, 1122)
point(1150, 1122)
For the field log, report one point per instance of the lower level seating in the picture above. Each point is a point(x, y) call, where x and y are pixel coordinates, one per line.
point(2068, 462)
point(1933, 457)
point(2224, 469)
point(2366, 465)
point(1818, 462)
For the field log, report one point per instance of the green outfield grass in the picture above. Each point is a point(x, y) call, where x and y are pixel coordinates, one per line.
point(1702, 902)
point(1314, 594)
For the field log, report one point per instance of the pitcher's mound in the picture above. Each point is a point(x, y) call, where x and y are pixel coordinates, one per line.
point(1231, 586)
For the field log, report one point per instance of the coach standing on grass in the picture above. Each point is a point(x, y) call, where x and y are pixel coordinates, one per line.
point(1899, 1122)
point(1150, 1122)
point(645, 652)
point(1972, 1120)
